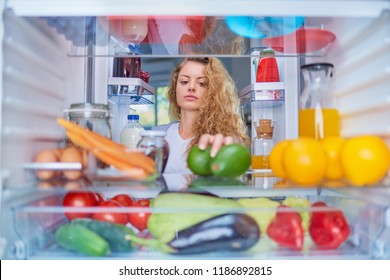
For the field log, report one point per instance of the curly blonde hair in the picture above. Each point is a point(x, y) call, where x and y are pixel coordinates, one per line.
point(220, 112)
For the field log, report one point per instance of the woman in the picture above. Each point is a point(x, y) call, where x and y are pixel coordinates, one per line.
point(204, 101)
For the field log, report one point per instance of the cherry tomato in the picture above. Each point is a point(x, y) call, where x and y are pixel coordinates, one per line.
point(123, 199)
point(140, 220)
point(79, 199)
point(114, 216)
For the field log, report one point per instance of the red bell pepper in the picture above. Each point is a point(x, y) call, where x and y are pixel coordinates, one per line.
point(286, 228)
point(328, 228)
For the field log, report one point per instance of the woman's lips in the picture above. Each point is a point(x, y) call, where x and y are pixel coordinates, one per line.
point(190, 97)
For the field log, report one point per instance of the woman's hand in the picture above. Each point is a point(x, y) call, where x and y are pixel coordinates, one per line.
point(215, 141)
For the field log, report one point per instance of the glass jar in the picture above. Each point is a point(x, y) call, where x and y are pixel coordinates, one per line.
point(95, 117)
point(154, 145)
point(262, 144)
point(318, 115)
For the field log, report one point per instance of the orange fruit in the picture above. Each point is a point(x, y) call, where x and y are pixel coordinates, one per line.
point(332, 147)
point(305, 161)
point(365, 159)
point(275, 159)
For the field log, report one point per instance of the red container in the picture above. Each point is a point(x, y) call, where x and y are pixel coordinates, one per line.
point(267, 69)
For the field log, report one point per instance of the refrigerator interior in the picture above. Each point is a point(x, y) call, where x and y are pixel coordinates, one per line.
point(56, 55)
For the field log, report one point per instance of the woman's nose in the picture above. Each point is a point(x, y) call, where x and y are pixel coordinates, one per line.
point(191, 87)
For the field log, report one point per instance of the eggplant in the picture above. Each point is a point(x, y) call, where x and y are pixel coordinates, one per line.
point(226, 232)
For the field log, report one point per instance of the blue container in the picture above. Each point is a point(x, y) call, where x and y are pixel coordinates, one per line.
point(262, 27)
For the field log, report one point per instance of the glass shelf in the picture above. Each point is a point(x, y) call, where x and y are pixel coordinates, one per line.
point(129, 89)
point(266, 94)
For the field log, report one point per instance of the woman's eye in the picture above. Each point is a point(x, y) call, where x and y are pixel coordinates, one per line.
point(183, 82)
point(202, 84)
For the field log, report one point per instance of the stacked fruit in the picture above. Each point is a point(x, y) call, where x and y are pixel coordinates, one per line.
point(230, 161)
point(359, 161)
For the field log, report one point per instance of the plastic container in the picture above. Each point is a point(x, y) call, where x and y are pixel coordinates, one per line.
point(267, 69)
point(156, 147)
point(131, 133)
point(37, 221)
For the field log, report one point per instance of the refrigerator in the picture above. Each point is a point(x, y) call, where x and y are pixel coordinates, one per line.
point(58, 53)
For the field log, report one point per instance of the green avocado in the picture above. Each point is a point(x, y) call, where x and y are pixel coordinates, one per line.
point(198, 161)
point(231, 161)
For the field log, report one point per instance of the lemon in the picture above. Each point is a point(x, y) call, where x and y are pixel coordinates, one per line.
point(304, 161)
point(276, 159)
point(332, 147)
point(365, 159)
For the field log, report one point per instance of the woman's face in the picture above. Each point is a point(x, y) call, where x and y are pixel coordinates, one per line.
point(191, 86)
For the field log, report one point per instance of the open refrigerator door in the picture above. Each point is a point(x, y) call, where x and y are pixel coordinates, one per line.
point(113, 56)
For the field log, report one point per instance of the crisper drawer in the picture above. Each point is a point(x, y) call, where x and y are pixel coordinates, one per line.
point(259, 224)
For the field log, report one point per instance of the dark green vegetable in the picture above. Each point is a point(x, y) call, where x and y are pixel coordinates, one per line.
point(115, 234)
point(81, 239)
point(164, 225)
point(227, 232)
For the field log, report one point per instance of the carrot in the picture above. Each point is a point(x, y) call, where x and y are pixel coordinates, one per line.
point(131, 157)
point(75, 128)
point(78, 140)
point(130, 171)
point(93, 141)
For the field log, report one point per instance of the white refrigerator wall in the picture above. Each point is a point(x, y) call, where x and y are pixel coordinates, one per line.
point(36, 87)
point(361, 78)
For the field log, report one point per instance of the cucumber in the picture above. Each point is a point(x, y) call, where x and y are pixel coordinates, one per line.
point(81, 239)
point(115, 234)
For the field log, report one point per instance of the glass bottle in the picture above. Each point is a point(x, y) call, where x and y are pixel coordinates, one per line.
point(131, 132)
point(128, 65)
point(155, 146)
point(318, 116)
point(262, 144)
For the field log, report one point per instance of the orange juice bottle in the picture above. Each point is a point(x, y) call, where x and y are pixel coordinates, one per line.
point(260, 162)
point(318, 117)
point(262, 144)
point(318, 126)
